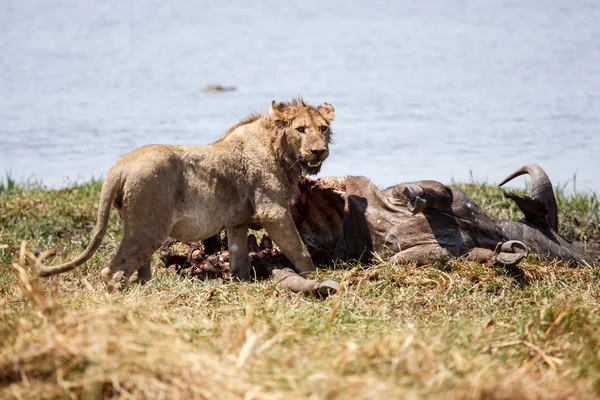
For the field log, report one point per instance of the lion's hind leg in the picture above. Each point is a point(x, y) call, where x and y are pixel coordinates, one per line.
point(133, 256)
point(146, 213)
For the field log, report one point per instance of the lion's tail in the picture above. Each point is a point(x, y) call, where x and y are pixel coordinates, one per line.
point(109, 189)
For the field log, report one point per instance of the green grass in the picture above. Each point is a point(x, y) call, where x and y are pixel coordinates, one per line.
point(395, 331)
point(9, 185)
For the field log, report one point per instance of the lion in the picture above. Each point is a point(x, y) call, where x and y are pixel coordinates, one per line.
point(249, 175)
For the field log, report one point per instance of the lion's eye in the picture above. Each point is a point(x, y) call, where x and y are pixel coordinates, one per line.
point(300, 129)
point(324, 128)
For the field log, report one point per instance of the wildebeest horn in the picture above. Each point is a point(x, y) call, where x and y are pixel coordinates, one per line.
point(539, 209)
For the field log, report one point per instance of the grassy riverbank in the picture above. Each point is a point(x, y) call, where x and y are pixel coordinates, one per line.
point(468, 331)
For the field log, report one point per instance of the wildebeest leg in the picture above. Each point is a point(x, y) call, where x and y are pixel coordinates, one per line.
point(507, 254)
point(424, 194)
point(481, 255)
point(239, 261)
point(287, 278)
point(423, 254)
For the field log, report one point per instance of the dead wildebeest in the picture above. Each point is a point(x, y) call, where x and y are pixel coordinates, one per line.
point(425, 222)
point(422, 222)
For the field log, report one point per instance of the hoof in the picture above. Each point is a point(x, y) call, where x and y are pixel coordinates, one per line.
point(322, 288)
point(511, 253)
point(327, 288)
point(413, 193)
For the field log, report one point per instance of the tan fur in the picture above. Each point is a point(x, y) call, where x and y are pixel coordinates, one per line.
point(192, 192)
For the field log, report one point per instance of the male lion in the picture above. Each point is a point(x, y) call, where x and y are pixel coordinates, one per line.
point(250, 174)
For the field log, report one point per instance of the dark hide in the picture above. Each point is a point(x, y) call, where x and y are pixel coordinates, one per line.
point(422, 222)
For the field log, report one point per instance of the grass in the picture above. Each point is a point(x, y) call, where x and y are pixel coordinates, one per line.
point(395, 331)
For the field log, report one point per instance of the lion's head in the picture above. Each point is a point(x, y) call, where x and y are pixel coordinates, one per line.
point(306, 130)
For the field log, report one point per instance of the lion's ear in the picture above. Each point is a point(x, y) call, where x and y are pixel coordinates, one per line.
point(327, 111)
point(277, 110)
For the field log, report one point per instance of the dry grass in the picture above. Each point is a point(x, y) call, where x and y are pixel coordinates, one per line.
point(461, 331)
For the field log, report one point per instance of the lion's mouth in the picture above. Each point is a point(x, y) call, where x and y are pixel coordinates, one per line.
point(311, 167)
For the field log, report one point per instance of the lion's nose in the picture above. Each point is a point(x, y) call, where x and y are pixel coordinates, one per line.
point(318, 152)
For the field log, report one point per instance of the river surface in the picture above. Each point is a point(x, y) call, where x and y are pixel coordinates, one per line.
point(445, 89)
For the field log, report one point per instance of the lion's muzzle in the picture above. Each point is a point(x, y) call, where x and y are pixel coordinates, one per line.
point(312, 167)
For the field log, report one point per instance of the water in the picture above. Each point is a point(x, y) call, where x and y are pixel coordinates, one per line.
point(423, 90)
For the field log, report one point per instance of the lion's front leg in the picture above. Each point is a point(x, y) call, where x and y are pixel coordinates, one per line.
point(281, 228)
point(239, 261)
